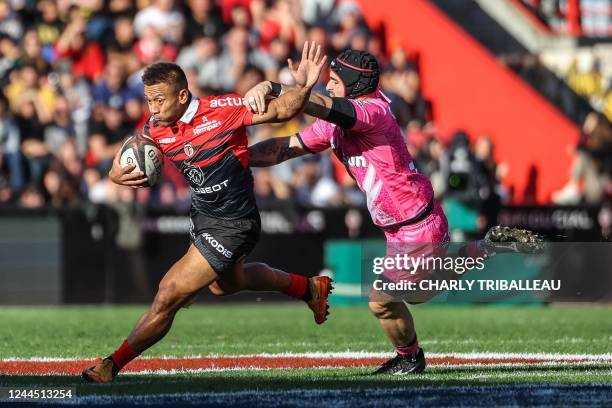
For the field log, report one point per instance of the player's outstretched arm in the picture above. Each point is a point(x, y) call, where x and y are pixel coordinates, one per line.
point(306, 76)
point(125, 176)
point(255, 100)
point(275, 150)
point(336, 110)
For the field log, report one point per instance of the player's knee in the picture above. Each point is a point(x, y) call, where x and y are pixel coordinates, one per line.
point(381, 310)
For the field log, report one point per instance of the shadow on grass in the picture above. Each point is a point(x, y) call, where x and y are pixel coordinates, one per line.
point(354, 378)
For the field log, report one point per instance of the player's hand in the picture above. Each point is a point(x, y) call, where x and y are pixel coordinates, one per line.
point(125, 176)
point(307, 72)
point(255, 98)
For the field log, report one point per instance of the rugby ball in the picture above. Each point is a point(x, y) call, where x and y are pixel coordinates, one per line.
point(142, 151)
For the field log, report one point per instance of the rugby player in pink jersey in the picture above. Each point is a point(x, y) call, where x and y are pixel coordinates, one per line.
point(355, 120)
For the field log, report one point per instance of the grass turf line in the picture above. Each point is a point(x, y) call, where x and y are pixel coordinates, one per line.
point(91, 331)
point(231, 330)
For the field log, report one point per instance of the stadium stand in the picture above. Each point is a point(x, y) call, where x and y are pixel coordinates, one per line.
point(69, 73)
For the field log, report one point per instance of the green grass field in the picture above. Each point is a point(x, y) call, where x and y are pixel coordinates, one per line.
point(84, 332)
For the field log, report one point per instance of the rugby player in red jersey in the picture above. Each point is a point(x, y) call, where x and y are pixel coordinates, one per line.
point(206, 139)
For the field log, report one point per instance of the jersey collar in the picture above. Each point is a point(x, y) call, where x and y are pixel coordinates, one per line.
point(191, 110)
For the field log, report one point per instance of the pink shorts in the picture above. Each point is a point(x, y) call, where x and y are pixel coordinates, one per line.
point(426, 238)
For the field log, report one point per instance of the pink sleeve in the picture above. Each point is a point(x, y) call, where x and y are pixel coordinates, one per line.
point(316, 137)
point(368, 115)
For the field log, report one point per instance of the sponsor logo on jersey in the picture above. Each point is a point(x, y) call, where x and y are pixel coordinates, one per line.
point(167, 140)
point(195, 175)
point(227, 101)
point(188, 149)
point(217, 245)
point(356, 161)
point(206, 126)
point(212, 189)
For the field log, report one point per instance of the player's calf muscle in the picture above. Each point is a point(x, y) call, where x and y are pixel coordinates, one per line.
point(381, 310)
point(232, 282)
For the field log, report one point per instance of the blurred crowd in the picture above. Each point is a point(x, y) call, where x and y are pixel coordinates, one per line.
point(591, 18)
point(71, 92)
point(590, 178)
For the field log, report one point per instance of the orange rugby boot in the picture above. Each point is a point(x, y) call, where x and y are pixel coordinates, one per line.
point(101, 372)
point(320, 288)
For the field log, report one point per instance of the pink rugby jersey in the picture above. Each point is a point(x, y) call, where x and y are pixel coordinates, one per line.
point(375, 154)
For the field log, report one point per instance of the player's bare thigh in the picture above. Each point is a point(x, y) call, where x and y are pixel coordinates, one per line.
point(187, 277)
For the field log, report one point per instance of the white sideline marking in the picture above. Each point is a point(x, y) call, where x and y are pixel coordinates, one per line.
point(323, 367)
point(357, 355)
point(161, 372)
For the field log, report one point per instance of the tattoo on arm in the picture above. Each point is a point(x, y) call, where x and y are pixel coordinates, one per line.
point(272, 151)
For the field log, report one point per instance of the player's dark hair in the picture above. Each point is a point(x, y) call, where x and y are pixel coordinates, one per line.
point(167, 73)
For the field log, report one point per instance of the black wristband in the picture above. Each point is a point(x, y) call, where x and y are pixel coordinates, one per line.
point(277, 89)
point(342, 113)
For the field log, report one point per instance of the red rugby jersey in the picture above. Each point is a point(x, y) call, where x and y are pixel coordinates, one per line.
point(208, 144)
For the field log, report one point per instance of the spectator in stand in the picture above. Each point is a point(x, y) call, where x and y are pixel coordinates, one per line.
point(50, 26)
point(607, 104)
point(114, 9)
point(269, 189)
point(63, 178)
point(85, 55)
point(108, 129)
point(251, 77)
point(9, 21)
point(120, 45)
point(33, 101)
point(349, 22)
point(13, 177)
point(284, 24)
point(113, 86)
point(403, 86)
point(591, 168)
point(60, 129)
point(319, 35)
point(203, 19)
point(200, 56)
point(428, 159)
point(78, 94)
point(227, 6)
point(241, 17)
point(484, 151)
point(376, 47)
point(279, 50)
point(312, 188)
point(162, 15)
point(32, 197)
point(491, 203)
point(316, 11)
point(6, 192)
point(151, 47)
point(237, 55)
point(9, 58)
point(32, 52)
